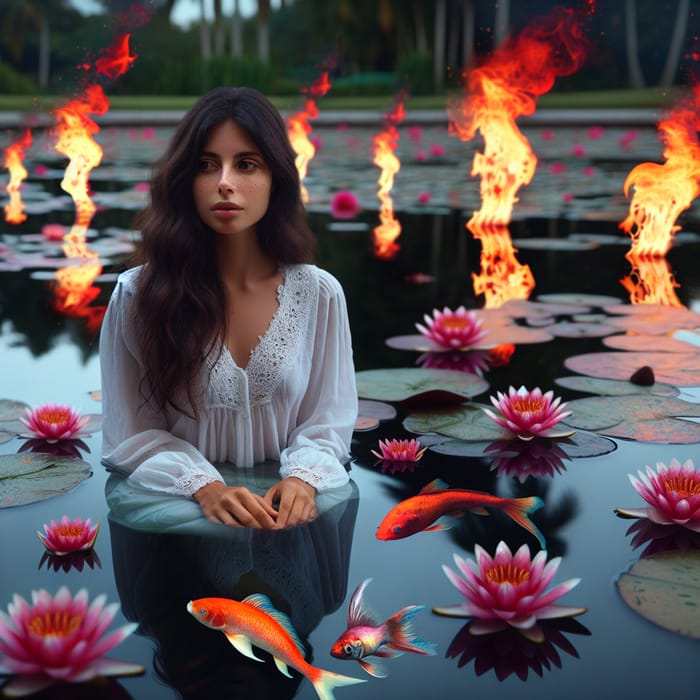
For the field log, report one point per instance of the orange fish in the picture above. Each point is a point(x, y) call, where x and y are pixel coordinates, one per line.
point(254, 620)
point(418, 513)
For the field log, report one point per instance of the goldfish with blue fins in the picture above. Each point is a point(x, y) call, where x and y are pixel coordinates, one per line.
point(255, 621)
point(419, 513)
point(366, 636)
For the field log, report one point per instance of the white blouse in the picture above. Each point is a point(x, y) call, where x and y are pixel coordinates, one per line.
point(295, 402)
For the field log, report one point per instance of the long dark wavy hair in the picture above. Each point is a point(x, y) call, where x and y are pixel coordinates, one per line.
point(181, 304)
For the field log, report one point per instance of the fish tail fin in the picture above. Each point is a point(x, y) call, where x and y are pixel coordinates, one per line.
point(519, 509)
point(403, 636)
point(325, 682)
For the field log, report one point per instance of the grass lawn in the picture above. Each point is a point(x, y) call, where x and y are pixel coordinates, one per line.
point(609, 99)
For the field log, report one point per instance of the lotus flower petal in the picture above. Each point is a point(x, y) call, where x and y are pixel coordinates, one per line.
point(508, 589)
point(54, 422)
point(455, 330)
point(68, 536)
point(59, 637)
point(672, 492)
point(529, 414)
point(399, 450)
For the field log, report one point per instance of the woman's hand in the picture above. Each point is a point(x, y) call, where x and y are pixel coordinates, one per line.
point(295, 501)
point(235, 505)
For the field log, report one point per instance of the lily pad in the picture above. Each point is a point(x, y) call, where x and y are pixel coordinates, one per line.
point(614, 387)
point(586, 299)
point(678, 368)
point(34, 476)
point(637, 417)
point(418, 384)
point(11, 409)
point(664, 588)
point(642, 342)
point(376, 409)
point(581, 444)
point(497, 335)
point(579, 329)
point(467, 423)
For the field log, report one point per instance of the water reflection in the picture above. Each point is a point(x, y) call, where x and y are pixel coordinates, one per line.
point(303, 570)
point(661, 538)
point(521, 459)
point(508, 652)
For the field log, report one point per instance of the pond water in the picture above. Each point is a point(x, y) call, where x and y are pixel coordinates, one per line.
point(154, 554)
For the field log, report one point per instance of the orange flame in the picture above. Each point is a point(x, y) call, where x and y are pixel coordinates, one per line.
point(298, 129)
point(74, 290)
point(384, 146)
point(651, 282)
point(504, 88)
point(662, 192)
point(75, 129)
point(14, 156)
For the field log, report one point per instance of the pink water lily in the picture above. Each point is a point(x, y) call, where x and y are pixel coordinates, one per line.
point(399, 450)
point(345, 205)
point(458, 330)
point(672, 492)
point(57, 639)
point(69, 536)
point(508, 590)
point(54, 422)
point(529, 414)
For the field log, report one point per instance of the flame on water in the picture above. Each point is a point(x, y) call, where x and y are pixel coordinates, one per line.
point(651, 282)
point(298, 129)
point(384, 146)
point(14, 157)
point(501, 277)
point(662, 192)
point(74, 129)
point(505, 87)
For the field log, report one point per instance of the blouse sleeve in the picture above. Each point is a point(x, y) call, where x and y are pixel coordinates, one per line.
point(135, 436)
point(320, 443)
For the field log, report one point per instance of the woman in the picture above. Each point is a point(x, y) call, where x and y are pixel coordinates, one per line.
point(226, 344)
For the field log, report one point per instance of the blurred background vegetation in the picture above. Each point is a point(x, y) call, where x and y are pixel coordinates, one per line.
point(640, 48)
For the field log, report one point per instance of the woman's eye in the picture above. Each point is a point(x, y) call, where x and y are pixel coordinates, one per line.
point(206, 165)
point(247, 165)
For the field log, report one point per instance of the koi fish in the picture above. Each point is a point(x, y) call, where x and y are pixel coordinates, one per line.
point(418, 513)
point(365, 636)
point(254, 620)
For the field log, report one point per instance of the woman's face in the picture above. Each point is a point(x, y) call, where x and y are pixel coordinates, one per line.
point(233, 183)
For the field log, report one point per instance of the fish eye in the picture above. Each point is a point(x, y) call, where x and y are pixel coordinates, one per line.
point(202, 612)
point(348, 649)
point(397, 529)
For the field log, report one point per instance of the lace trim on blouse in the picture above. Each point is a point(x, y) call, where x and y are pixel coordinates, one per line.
point(276, 350)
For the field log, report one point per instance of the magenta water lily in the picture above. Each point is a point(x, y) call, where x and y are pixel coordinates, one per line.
point(59, 638)
point(529, 414)
point(508, 590)
point(68, 536)
point(54, 422)
point(672, 492)
point(399, 450)
point(454, 330)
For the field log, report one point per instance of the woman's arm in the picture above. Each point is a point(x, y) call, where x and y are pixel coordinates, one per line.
point(136, 440)
point(320, 444)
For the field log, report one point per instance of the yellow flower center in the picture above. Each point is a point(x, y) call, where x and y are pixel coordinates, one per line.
point(507, 574)
point(70, 530)
point(56, 623)
point(683, 485)
point(455, 323)
point(528, 404)
point(55, 416)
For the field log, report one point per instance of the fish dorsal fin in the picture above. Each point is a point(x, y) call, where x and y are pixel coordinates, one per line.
point(433, 486)
point(264, 604)
point(359, 613)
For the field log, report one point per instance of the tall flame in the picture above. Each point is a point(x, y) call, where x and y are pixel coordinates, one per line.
point(651, 282)
point(662, 192)
point(384, 146)
point(298, 128)
point(14, 157)
point(74, 129)
point(505, 87)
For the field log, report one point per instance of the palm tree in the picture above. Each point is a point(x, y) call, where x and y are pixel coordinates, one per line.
point(636, 76)
point(264, 30)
